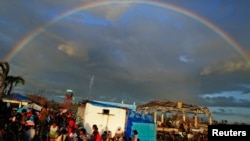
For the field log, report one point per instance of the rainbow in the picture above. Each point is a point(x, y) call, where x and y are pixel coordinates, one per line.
point(28, 38)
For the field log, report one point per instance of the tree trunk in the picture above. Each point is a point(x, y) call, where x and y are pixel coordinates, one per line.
point(10, 89)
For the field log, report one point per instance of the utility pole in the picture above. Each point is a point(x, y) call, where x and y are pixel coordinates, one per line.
point(90, 85)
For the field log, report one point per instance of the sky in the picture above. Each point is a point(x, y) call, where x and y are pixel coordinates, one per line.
point(132, 51)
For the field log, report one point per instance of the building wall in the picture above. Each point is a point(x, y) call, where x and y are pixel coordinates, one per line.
point(106, 118)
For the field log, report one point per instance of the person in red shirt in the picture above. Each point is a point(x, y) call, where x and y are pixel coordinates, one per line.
point(71, 124)
point(95, 135)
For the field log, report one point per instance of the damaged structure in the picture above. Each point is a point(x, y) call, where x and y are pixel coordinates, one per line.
point(169, 116)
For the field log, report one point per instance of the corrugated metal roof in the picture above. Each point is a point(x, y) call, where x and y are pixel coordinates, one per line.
point(113, 104)
point(166, 105)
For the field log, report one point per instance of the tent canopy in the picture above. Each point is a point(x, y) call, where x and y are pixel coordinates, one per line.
point(33, 106)
point(16, 98)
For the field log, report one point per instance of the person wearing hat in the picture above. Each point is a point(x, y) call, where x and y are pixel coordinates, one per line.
point(30, 131)
point(118, 134)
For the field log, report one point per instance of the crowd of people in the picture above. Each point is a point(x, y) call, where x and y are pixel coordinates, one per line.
point(107, 136)
point(48, 125)
point(176, 129)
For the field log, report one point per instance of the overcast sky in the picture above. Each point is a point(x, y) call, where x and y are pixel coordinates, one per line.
point(135, 51)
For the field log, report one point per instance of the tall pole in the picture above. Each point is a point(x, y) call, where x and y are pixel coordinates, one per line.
point(90, 85)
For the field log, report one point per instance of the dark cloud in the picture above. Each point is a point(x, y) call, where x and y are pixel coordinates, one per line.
point(227, 101)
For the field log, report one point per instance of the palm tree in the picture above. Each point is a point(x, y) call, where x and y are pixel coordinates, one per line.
point(11, 81)
point(5, 68)
point(7, 82)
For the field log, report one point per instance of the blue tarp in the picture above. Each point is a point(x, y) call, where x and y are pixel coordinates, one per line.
point(16, 96)
point(143, 123)
point(146, 131)
point(20, 110)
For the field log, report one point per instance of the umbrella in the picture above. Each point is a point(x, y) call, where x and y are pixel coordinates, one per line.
point(20, 110)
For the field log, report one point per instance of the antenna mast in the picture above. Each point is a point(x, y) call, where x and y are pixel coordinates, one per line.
point(90, 85)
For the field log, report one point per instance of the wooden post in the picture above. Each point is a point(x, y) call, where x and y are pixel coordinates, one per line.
point(183, 115)
point(155, 117)
point(106, 112)
point(195, 120)
point(162, 117)
point(210, 119)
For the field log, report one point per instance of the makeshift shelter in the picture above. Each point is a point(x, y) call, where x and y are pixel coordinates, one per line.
point(16, 98)
point(159, 108)
point(106, 115)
